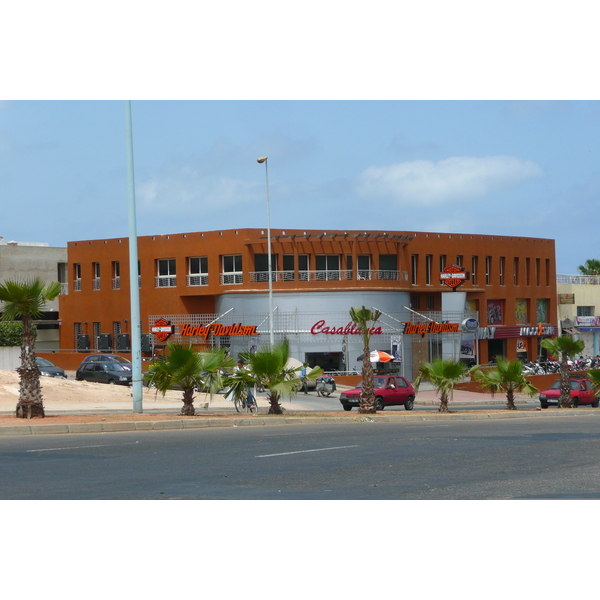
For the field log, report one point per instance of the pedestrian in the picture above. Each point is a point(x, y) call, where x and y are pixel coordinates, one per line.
point(304, 378)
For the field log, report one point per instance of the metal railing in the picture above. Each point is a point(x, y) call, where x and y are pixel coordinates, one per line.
point(231, 278)
point(165, 281)
point(328, 275)
point(198, 279)
point(578, 279)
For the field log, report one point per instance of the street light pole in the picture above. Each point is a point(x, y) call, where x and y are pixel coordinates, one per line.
point(265, 159)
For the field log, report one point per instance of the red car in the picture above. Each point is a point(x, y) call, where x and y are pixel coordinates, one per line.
point(581, 393)
point(390, 390)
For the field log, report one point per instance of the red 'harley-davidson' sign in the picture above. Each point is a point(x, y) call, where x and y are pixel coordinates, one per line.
point(453, 276)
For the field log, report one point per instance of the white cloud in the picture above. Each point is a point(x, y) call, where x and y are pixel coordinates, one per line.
point(457, 178)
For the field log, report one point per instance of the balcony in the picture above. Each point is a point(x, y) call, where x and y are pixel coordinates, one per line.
point(197, 279)
point(165, 281)
point(336, 275)
point(578, 279)
point(232, 278)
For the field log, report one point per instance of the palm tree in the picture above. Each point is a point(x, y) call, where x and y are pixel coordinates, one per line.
point(365, 319)
point(26, 300)
point(594, 375)
point(267, 368)
point(590, 267)
point(507, 377)
point(191, 371)
point(444, 374)
point(565, 347)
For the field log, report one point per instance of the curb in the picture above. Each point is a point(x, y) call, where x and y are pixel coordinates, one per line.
point(180, 424)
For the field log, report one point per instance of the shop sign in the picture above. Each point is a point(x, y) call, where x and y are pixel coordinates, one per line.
point(349, 329)
point(490, 333)
point(217, 329)
point(566, 298)
point(432, 327)
point(470, 325)
point(588, 321)
point(162, 329)
point(453, 276)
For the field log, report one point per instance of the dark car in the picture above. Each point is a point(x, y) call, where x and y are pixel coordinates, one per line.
point(104, 372)
point(108, 358)
point(390, 390)
point(48, 369)
point(581, 393)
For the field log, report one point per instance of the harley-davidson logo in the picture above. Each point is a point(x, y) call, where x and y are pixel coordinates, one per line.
point(453, 276)
point(162, 329)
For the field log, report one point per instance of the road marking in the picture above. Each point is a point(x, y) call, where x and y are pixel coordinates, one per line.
point(304, 451)
point(79, 447)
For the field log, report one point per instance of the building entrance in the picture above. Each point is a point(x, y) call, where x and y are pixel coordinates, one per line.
point(328, 361)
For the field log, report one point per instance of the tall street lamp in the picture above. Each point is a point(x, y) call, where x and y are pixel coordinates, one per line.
point(264, 159)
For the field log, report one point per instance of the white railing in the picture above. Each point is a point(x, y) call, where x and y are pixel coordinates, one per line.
point(578, 279)
point(275, 276)
point(231, 278)
point(116, 283)
point(77, 285)
point(165, 281)
point(197, 279)
point(64, 289)
point(327, 275)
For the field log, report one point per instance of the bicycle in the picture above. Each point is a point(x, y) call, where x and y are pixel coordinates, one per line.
point(242, 403)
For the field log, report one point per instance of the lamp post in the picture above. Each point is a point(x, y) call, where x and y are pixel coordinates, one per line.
point(264, 159)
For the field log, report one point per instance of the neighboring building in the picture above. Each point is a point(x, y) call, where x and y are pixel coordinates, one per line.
point(28, 260)
point(211, 288)
point(578, 303)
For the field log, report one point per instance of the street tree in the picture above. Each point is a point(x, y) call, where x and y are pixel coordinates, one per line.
point(25, 300)
point(566, 347)
point(507, 377)
point(267, 367)
point(366, 319)
point(443, 374)
point(192, 371)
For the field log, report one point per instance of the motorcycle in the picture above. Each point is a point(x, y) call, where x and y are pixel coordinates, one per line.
point(325, 386)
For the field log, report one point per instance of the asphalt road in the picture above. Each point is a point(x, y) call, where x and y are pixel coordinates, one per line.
point(496, 459)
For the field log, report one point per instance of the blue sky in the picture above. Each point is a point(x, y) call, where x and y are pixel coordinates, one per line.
point(524, 168)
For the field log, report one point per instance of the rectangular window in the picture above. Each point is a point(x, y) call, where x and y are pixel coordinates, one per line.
point(428, 261)
point(96, 276)
point(349, 273)
point(547, 271)
point(459, 260)
point(77, 277)
point(516, 270)
point(197, 270)
point(527, 271)
point(232, 270)
point(430, 302)
point(474, 265)
point(415, 302)
point(96, 327)
point(488, 270)
point(414, 264)
point(166, 275)
point(585, 311)
point(442, 262)
point(261, 267)
point(63, 277)
point(116, 275)
point(304, 267)
point(538, 270)
point(327, 266)
point(288, 267)
point(388, 267)
point(363, 265)
point(501, 269)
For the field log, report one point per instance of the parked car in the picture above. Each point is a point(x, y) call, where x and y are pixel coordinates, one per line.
point(48, 369)
point(390, 390)
point(108, 358)
point(104, 372)
point(581, 393)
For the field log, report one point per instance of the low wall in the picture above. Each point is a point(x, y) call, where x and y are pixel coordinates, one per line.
point(10, 358)
point(542, 382)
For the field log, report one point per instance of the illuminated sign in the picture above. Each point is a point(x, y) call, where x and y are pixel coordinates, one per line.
point(349, 329)
point(453, 276)
point(217, 329)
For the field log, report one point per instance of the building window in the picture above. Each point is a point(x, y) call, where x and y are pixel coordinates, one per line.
point(77, 277)
point(527, 271)
point(547, 271)
point(474, 265)
point(459, 260)
point(288, 267)
point(63, 277)
point(538, 273)
point(585, 311)
point(327, 266)
point(388, 267)
point(261, 267)
point(197, 270)
point(430, 302)
point(488, 270)
point(232, 269)
point(516, 270)
point(363, 265)
point(428, 261)
point(96, 334)
point(116, 275)
point(166, 275)
point(96, 276)
point(414, 264)
point(442, 262)
point(501, 269)
point(415, 302)
point(303, 267)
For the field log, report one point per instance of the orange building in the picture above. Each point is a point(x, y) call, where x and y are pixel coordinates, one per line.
point(211, 288)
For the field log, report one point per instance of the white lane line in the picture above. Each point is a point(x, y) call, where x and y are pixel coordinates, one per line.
point(79, 447)
point(304, 451)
